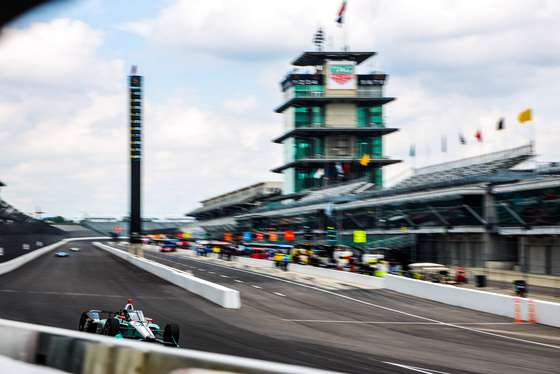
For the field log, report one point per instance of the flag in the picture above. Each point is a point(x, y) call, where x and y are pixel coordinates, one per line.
point(365, 160)
point(133, 70)
point(444, 143)
point(478, 135)
point(525, 116)
point(341, 13)
point(500, 124)
point(412, 151)
point(462, 139)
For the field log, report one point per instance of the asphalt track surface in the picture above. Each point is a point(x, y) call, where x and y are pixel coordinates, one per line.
point(285, 317)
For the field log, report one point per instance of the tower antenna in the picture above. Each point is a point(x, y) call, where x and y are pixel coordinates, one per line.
point(319, 40)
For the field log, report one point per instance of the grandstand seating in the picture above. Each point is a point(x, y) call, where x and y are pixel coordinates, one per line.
point(339, 190)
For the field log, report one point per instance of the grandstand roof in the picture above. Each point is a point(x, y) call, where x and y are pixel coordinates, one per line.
point(319, 57)
point(467, 167)
point(244, 196)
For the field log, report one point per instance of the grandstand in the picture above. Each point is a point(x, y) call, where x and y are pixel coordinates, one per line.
point(20, 233)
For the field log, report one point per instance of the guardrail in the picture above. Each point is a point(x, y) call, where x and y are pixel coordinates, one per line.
point(36, 348)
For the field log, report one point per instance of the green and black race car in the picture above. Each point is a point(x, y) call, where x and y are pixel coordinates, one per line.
point(128, 323)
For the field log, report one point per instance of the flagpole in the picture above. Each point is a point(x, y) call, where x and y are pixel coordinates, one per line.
point(344, 39)
point(507, 138)
point(340, 21)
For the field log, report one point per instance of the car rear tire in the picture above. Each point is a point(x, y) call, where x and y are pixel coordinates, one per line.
point(111, 327)
point(171, 333)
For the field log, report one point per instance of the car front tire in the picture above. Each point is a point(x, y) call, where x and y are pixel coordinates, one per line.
point(171, 333)
point(111, 327)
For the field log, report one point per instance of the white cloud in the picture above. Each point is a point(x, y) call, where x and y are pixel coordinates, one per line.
point(251, 30)
point(55, 54)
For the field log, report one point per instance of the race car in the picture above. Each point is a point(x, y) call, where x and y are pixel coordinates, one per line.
point(128, 323)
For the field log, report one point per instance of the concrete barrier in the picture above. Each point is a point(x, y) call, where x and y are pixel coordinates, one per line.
point(223, 296)
point(546, 313)
point(28, 348)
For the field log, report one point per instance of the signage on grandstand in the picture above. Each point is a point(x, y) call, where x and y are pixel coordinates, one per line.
point(227, 236)
point(247, 236)
point(360, 236)
point(117, 228)
point(289, 235)
point(272, 236)
point(259, 236)
point(341, 75)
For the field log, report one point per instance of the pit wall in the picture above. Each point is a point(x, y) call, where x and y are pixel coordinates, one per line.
point(223, 296)
point(545, 312)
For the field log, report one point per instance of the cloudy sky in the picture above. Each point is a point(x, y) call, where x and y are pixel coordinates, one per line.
point(212, 70)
